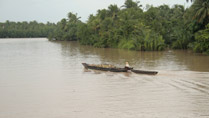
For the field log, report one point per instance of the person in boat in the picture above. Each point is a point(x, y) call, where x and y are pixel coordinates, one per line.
point(127, 66)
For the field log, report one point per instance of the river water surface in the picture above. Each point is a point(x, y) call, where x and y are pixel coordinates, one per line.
point(43, 79)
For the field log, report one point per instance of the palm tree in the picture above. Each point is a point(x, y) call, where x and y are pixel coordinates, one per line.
point(113, 10)
point(131, 4)
point(73, 17)
point(201, 11)
point(63, 24)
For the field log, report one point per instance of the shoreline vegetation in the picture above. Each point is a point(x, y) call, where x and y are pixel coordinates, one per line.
point(131, 26)
point(25, 29)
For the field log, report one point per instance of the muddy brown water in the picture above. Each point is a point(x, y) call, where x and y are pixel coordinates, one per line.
point(43, 79)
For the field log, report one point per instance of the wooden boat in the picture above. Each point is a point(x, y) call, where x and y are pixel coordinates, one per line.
point(107, 67)
point(144, 72)
point(104, 67)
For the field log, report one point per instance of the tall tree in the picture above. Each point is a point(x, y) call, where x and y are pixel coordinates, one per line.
point(201, 11)
point(131, 4)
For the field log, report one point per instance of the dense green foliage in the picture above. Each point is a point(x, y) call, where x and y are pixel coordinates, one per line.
point(131, 27)
point(67, 29)
point(197, 22)
point(201, 43)
point(25, 29)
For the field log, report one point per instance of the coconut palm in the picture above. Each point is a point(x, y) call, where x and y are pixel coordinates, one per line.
point(73, 17)
point(201, 11)
point(113, 10)
point(131, 4)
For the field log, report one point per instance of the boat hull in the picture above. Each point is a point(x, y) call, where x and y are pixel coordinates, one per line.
point(113, 69)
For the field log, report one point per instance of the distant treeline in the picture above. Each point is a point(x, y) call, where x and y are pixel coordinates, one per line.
point(25, 29)
point(134, 27)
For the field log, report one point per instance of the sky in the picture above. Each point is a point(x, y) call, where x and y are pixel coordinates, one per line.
point(55, 10)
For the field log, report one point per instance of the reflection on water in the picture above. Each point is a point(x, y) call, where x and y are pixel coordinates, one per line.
point(158, 60)
point(42, 79)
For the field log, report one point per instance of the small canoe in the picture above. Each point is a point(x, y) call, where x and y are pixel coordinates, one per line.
point(104, 67)
point(144, 72)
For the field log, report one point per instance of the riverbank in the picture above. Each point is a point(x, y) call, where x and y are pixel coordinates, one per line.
point(165, 49)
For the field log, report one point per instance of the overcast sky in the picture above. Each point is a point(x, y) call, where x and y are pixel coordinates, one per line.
point(55, 10)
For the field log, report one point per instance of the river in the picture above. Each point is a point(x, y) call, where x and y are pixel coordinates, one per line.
point(43, 79)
